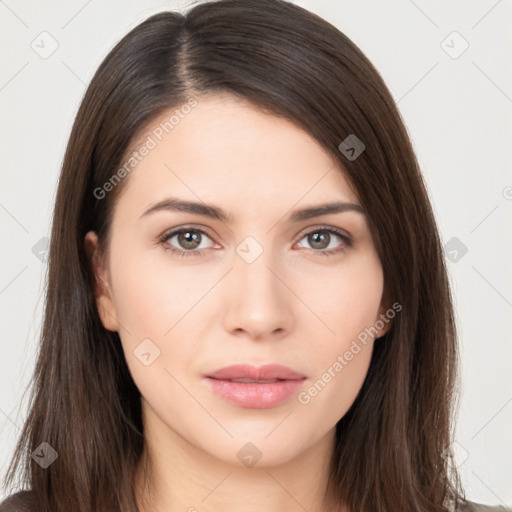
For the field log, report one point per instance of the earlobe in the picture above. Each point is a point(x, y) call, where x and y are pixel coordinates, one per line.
point(101, 282)
point(385, 328)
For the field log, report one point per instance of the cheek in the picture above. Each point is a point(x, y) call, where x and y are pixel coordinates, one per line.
point(153, 294)
point(157, 301)
point(346, 299)
point(348, 305)
point(334, 389)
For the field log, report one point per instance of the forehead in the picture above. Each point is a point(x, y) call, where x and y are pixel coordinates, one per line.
point(227, 151)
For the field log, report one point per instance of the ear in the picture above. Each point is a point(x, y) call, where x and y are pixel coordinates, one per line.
point(383, 322)
point(102, 289)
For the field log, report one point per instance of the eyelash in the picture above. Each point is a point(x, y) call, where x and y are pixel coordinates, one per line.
point(347, 242)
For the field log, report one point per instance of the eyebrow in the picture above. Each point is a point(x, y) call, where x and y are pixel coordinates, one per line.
point(214, 212)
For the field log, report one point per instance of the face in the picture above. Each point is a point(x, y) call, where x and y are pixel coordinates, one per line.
point(191, 293)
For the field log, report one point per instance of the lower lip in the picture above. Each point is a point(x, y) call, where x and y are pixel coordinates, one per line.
point(253, 395)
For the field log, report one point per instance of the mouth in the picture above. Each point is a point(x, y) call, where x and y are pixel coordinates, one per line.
point(252, 381)
point(268, 372)
point(256, 388)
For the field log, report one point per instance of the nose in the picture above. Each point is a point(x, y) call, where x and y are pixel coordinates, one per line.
point(259, 302)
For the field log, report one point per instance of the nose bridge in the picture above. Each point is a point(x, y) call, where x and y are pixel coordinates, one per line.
point(258, 301)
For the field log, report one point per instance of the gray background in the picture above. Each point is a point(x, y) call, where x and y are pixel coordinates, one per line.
point(456, 104)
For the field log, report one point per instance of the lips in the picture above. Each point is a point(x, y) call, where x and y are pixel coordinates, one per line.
point(255, 387)
point(262, 374)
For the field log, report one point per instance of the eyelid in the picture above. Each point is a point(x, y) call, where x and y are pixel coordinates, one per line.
point(199, 227)
point(324, 227)
point(301, 233)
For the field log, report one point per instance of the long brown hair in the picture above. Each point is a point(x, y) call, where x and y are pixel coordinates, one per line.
point(392, 448)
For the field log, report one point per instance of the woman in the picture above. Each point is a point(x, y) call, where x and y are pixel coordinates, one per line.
point(247, 299)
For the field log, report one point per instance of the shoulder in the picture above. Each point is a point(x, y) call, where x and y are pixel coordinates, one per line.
point(23, 501)
point(471, 506)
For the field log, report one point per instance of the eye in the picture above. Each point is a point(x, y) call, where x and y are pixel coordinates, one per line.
point(190, 239)
point(321, 239)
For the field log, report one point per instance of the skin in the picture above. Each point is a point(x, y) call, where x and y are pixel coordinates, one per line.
point(290, 306)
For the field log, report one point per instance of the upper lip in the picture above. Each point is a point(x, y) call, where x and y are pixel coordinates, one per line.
point(247, 371)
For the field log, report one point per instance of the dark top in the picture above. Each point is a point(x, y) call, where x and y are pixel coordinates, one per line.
point(24, 502)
